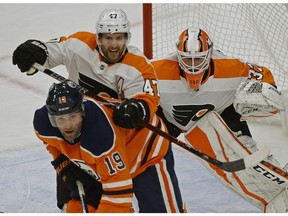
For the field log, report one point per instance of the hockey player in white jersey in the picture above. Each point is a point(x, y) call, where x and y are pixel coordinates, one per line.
point(208, 97)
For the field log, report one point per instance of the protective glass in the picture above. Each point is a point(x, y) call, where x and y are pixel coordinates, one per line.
point(60, 121)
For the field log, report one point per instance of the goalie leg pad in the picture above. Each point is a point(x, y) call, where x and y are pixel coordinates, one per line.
point(258, 184)
point(279, 204)
point(284, 113)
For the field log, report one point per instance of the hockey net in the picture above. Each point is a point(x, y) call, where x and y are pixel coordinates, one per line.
point(256, 33)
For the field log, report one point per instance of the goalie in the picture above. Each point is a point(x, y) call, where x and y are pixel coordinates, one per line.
point(209, 97)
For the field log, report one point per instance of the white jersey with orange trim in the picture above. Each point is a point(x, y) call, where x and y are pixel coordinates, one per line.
point(133, 76)
point(111, 154)
point(187, 109)
point(183, 106)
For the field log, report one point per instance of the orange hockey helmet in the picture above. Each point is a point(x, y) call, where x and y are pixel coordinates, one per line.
point(194, 51)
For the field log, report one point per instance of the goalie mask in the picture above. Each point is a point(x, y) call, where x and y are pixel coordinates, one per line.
point(194, 51)
point(112, 21)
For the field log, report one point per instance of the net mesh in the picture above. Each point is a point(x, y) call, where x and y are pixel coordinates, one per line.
point(255, 33)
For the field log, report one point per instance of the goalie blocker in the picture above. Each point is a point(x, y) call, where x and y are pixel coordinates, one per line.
point(263, 185)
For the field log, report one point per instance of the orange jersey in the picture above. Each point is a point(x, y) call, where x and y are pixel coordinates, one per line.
point(133, 76)
point(111, 154)
point(183, 106)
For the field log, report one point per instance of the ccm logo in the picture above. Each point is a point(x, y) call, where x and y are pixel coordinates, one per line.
point(268, 175)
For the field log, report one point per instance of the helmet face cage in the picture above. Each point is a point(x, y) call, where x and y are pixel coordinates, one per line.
point(64, 98)
point(194, 51)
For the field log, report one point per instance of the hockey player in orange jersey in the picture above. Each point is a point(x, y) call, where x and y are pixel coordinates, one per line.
point(125, 161)
point(103, 63)
point(197, 84)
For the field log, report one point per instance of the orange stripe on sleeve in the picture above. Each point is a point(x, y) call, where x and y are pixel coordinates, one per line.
point(86, 37)
point(167, 69)
point(230, 68)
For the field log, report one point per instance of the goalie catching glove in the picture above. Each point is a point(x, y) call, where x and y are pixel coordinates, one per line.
point(254, 99)
point(130, 111)
point(29, 52)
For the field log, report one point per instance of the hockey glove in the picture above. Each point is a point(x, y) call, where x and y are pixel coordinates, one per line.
point(69, 172)
point(93, 192)
point(130, 111)
point(29, 52)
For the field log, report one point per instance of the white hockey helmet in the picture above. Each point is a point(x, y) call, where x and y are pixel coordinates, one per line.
point(113, 21)
point(194, 51)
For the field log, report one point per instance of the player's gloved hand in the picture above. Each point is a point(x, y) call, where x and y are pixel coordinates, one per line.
point(64, 168)
point(93, 192)
point(129, 112)
point(29, 52)
point(69, 172)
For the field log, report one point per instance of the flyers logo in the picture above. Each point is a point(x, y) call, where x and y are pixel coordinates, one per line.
point(103, 94)
point(183, 114)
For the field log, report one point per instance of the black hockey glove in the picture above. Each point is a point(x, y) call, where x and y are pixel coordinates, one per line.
point(69, 172)
point(129, 112)
point(29, 52)
point(93, 192)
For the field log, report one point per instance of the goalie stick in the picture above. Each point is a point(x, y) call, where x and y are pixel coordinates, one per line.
point(230, 166)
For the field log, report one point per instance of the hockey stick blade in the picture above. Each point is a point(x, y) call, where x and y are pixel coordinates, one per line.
point(232, 166)
point(257, 157)
point(246, 162)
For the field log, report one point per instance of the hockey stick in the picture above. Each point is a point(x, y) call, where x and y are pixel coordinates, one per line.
point(82, 196)
point(231, 166)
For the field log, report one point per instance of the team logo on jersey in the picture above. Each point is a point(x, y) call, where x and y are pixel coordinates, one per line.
point(95, 87)
point(183, 114)
point(81, 164)
point(103, 94)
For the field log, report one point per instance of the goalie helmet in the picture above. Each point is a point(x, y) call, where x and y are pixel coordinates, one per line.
point(64, 98)
point(194, 51)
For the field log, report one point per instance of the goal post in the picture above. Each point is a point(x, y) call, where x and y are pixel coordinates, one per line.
point(147, 30)
point(256, 33)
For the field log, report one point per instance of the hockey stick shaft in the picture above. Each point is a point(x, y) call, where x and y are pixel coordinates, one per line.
point(82, 196)
point(231, 166)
